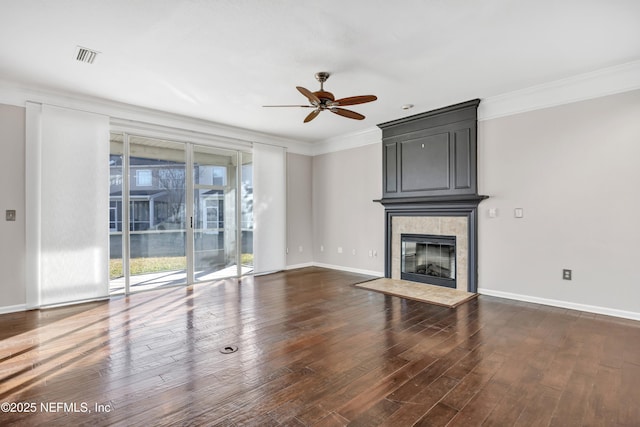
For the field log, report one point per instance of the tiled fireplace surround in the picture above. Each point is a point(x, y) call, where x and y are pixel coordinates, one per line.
point(437, 226)
point(457, 218)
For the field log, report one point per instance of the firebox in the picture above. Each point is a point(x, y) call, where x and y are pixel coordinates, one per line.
point(429, 259)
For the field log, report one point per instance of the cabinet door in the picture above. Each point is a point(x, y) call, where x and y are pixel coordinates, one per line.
point(425, 163)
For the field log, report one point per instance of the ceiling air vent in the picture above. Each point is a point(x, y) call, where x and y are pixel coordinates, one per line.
point(86, 55)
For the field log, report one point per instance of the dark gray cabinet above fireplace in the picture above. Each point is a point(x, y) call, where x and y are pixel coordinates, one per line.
point(431, 155)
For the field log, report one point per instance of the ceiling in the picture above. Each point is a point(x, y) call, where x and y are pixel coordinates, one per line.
point(221, 60)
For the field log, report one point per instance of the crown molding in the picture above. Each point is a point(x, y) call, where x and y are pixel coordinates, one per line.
point(595, 84)
point(15, 94)
point(603, 82)
point(347, 141)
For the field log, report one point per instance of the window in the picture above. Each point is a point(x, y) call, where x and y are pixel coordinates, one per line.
point(219, 175)
point(139, 215)
point(210, 175)
point(144, 178)
point(113, 216)
point(212, 216)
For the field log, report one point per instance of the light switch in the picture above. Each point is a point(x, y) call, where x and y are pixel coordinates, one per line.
point(518, 213)
point(493, 212)
point(10, 215)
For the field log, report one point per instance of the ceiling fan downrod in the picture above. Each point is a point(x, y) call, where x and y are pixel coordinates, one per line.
point(322, 77)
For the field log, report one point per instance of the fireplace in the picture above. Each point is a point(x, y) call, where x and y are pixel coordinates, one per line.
point(430, 196)
point(449, 225)
point(429, 259)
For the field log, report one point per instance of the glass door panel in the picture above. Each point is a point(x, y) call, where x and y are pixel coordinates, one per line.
point(117, 283)
point(246, 217)
point(157, 213)
point(214, 213)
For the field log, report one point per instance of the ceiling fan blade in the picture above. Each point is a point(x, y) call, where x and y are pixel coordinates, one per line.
point(312, 115)
point(312, 98)
point(353, 100)
point(346, 113)
point(303, 106)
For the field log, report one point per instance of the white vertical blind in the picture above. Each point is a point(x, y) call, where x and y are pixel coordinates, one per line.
point(269, 208)
point(68, 199)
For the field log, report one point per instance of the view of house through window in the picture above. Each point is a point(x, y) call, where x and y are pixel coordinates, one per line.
point(166, 238)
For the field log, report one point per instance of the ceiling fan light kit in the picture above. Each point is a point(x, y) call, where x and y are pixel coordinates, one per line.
point(322, 100)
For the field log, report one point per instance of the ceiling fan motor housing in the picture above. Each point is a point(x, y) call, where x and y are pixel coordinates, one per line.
point(324, 97)
point(322, 100)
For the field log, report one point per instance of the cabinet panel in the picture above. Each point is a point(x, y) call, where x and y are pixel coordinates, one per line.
point(462, 150)
point(425, 163)
point(390, 168)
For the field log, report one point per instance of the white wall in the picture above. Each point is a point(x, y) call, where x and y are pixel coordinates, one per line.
point(12, 189)
point(299, 210)
point(345, 183)
point(574, 169)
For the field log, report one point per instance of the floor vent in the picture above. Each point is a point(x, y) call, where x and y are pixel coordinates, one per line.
point(86, 55)
point(229, 349)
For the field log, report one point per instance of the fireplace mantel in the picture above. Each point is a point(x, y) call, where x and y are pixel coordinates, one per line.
point(434, 200)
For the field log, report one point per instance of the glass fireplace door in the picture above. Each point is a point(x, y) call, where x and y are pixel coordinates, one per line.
point(429, 259)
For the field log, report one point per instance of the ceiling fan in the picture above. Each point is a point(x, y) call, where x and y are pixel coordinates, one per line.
point(322, 100)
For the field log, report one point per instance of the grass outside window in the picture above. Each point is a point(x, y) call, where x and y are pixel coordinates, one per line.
point(158, 264)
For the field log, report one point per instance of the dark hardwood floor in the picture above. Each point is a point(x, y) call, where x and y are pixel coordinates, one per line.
point(315, 350)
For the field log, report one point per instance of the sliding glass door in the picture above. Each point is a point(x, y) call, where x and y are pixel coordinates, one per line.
point(157, 213)
point(215, 177)
point(148, 247)
point(182, 224)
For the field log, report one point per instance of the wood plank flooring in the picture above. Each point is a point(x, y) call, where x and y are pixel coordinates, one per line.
point(313, 350)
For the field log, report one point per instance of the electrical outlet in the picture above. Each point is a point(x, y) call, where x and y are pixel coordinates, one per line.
point(566, 274)
point(321, 248)
point(339, 249)
point(10, 215)
point(353, 252)
point(299, 248)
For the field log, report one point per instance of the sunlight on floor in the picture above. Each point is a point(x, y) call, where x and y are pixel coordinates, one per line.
point(144, 282)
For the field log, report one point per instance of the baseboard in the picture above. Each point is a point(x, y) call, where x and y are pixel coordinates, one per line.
point(349, 269)
point(563, 304)
point(303, 265)
point(13, 308)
